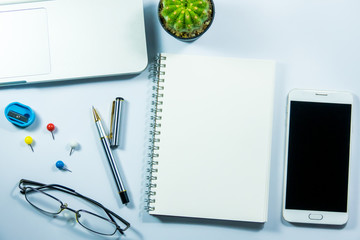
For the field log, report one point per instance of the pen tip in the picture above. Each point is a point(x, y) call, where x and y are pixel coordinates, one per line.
point(96, 115)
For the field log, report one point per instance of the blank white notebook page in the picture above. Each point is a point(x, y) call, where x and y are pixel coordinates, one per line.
point(215, 141)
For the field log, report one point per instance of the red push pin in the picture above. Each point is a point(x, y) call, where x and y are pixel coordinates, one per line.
point(51, 128)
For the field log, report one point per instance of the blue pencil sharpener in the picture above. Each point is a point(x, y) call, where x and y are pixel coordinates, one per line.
point(19, 114)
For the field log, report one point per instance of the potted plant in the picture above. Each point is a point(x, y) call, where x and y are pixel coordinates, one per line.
point(186, 19)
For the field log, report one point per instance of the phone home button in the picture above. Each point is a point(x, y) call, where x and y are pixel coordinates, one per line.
point(315, 216)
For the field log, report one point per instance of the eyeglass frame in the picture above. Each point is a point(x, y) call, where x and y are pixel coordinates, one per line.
point(24, 189)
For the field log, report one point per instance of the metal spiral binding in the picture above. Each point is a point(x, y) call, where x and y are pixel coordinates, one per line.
point(156, 73)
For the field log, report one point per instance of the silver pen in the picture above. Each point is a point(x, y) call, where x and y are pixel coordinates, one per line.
point(106, 144)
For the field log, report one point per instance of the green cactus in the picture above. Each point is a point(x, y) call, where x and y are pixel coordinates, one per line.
point(185, 15)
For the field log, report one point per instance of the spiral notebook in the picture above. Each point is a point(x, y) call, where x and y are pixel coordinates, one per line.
point(211, 137)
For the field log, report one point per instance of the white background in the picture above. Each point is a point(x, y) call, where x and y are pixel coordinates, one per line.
point(316, 46)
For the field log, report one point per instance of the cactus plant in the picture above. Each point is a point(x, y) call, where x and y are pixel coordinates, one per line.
point(186, 18)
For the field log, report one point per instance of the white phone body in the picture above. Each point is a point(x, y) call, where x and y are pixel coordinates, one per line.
point(317, 157)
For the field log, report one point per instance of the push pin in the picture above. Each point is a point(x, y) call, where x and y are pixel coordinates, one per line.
point(51, 128)
point(29, 141)
point(61, 165)
point(73, 145)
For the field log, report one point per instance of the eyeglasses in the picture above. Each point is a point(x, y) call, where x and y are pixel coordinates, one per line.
point(39, 198)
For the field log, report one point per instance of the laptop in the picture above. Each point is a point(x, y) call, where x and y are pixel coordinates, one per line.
point(49, 40)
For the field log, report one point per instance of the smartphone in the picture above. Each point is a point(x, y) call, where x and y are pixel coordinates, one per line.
point(316, 176)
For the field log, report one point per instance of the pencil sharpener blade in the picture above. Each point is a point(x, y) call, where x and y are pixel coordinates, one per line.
point(18, 116)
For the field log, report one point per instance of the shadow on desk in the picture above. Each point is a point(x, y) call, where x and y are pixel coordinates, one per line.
point(250, 226)
point(70, 82)
point(313, 226)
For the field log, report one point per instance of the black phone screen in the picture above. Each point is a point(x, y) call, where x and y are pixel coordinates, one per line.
point(318, 156)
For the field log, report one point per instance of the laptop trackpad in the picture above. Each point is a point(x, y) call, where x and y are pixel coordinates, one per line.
point(24, 43)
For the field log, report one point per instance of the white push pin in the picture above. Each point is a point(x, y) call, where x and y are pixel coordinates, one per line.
point(74, 145)
point(61, 165)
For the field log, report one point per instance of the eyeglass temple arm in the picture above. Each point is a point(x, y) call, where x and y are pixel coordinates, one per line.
point(57, 187)
point(41, 185)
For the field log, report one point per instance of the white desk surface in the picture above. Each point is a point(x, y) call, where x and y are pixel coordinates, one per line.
point(316, 46)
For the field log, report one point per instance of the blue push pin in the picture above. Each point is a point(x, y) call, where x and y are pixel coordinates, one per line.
point(61, 165)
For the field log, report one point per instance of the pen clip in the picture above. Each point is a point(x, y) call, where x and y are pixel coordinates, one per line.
point(112, 121)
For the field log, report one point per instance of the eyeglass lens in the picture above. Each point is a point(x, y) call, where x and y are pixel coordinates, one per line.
point(43, 201)
point(95, 223)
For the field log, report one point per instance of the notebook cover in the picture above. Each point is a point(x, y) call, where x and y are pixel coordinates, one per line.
point(211, 142)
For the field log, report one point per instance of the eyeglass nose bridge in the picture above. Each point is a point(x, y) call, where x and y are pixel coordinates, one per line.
point(65, 206)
